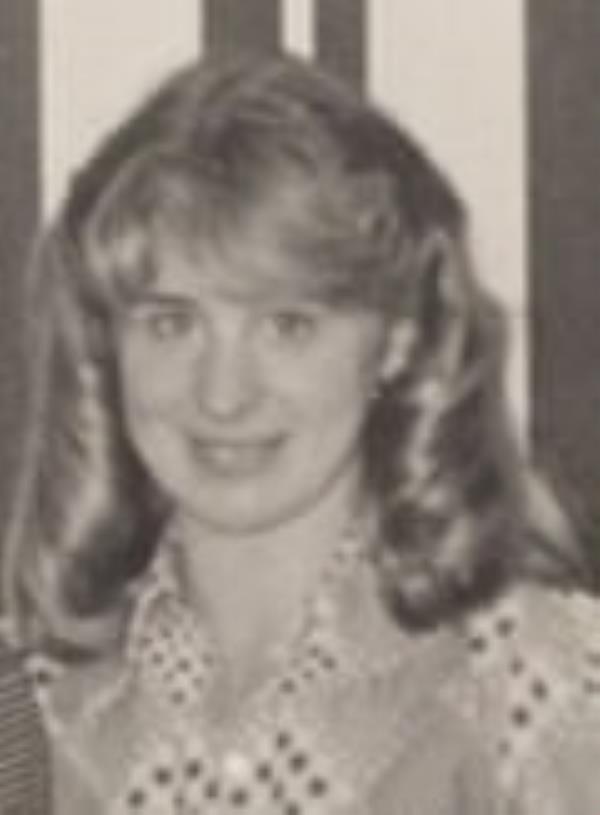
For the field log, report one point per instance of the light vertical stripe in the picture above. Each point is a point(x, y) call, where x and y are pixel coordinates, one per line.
point(99, 57)
point(454, 74)
point(201, 23)
point(298, 26)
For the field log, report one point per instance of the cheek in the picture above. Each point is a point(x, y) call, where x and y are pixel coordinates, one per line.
point(351, 388)
point(338, 389)
point(356, 373)
point(148, 388)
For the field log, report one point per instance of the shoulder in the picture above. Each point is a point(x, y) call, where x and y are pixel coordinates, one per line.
point(85, 712)
point(80, 703)
point(537, 622)
point(548, 637)
point(535, 674)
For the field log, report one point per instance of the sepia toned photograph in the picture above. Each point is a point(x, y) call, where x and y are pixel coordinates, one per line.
point(299, 407)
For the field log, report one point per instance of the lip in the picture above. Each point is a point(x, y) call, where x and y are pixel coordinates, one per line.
point(234, 458)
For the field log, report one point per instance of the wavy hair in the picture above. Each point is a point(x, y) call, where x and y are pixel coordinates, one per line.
point(233, 154)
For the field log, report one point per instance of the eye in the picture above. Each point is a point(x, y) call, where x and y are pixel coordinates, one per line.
point(166, 323)
point(292, 325)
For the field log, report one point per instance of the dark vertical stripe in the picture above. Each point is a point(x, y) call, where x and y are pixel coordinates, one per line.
point(248, 26)
point(341, 37)
point(18, 208)
point(564, 66)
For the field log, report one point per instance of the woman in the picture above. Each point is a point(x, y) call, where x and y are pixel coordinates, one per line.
point(273, 535)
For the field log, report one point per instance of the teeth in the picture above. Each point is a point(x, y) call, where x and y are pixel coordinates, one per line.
point(229, 454)
point(233, 457)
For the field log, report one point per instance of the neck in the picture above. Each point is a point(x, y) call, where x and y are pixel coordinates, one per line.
point(251, 588)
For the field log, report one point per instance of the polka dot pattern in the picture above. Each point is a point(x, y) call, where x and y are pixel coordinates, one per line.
point(534, 679)
point(173, 655)
point(269, 766)
point(298, 748)
point(280, 771)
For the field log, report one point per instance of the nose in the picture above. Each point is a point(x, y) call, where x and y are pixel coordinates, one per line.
point(228, 381)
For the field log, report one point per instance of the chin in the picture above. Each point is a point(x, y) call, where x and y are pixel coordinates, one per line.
point(247, 515)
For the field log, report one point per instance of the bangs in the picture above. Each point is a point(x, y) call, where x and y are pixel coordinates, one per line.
point(328, 235)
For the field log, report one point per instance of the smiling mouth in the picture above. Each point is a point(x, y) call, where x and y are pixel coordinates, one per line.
point(234, 459)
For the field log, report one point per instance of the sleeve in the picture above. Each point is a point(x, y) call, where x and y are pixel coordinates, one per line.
point(538, 668)
point(74, 787)
point(77, 705)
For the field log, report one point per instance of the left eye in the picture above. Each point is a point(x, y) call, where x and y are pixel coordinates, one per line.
point(295, 326)
point(165, 325)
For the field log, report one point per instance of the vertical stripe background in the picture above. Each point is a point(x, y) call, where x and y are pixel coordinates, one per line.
point(564, 79)
point(456, 73)
point(19, 207)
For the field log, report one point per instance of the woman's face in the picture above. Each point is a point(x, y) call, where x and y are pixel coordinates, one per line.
point(245, 401)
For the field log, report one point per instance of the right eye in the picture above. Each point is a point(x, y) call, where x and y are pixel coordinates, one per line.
point(166, 324)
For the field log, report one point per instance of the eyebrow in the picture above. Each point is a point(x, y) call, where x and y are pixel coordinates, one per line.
point(154, 299)
point(259, 299)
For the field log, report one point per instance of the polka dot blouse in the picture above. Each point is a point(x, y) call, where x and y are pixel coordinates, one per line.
point(500, 715)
